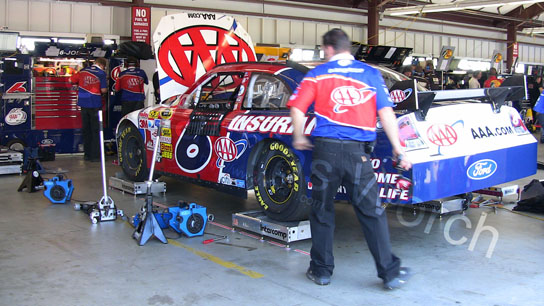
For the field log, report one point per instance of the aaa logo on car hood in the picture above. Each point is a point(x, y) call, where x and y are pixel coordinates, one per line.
point(482, 169)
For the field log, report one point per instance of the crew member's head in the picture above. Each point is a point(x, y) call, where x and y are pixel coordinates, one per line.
point(132, 62)
point(493, 71)
point(335, 41)
point(101, 62)
point(477, 74)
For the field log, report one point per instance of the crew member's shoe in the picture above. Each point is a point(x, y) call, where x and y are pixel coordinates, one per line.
point(397, 282)
point(320, 280)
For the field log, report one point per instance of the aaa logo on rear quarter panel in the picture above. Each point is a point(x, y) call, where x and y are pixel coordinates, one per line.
point(482, 169)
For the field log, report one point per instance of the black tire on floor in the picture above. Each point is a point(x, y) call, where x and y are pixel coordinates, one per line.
point(132, 153)
point(280, 187)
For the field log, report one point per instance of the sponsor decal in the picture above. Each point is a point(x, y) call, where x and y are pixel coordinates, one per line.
point(16, 116)
point(482, 169)
point(274, 232)
point(442, 135)
point(486, 132)
point(166, 150)
point(399, 95)
point(348, 96)
point(47, 142)
point(517, 123)
point(165, 139)
point(166, 113)
point(201, 15)
point(227, 150)
point(17, 87)
point(409, 136)
point(153, 124)
point(142, 120)
point(150, 144)
point(166, 132)
point(154, 114)
point(268, 124)
point(225, 179)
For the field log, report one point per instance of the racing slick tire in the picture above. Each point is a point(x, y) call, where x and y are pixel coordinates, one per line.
point(132, 154)
point(279, 183)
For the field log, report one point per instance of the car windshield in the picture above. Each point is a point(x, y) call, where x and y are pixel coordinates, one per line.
point(220, 91)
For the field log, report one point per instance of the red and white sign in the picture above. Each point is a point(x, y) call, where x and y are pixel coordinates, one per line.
point(515, 50)
point(442, 135)
point(190, 44)
point(349, 96)
point(141, 24)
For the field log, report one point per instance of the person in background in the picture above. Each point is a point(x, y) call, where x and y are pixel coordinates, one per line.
point(492, 80)
point(435, 81)
point(156, 87)
point(474, 81)
point(534, 88)
point(418, 71)
point(131, 84)
point(407, 71)
point(539, 108)
point(91, 82)
point(347, 95)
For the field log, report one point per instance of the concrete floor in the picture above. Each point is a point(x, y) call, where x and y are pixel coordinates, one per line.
point(53, 255)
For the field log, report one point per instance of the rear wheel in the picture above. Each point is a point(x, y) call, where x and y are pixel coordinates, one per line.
point(279, 183)
point(132, 154)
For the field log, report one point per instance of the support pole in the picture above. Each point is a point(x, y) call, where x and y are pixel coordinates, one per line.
point(373, 23)
point(511, 38)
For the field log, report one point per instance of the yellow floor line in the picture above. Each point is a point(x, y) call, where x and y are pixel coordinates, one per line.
point(215, 259)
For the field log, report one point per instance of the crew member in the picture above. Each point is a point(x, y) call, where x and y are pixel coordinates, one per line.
point(346, 95)
point(156, 87)
point(131, 84)
point(91, 82)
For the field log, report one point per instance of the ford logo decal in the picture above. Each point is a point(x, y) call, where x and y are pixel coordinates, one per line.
point(482, 169)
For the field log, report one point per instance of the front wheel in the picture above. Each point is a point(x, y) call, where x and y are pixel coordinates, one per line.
point(279, 184)
point(132, 154)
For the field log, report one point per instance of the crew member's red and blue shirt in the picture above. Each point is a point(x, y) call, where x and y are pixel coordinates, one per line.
point(131, 84)
point(90, 81)
point(346, 95)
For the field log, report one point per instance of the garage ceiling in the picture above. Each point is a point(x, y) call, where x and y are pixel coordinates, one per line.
point(499, 15)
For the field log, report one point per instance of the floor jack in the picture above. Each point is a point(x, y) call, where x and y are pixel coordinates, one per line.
point(105, 209)
point(149, 226)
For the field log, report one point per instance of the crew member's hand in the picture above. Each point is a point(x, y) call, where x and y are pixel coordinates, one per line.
point(403, 161)
point(302, 143)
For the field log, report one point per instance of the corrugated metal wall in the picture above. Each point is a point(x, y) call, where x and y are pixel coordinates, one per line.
point(424, 38)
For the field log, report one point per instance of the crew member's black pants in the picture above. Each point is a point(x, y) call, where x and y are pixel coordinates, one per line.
point(337, 162)
point(91, 144)
point(130, 106)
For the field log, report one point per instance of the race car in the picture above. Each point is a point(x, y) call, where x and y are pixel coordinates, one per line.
point(224, 124)
point(231, 130)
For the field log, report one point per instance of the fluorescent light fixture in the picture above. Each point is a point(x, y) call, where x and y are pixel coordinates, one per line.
point(456, 6)
point(72, 41)
point(533, 30)
point(109, 41)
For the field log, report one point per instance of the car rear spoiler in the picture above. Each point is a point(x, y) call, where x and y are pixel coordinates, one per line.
point(512, 89)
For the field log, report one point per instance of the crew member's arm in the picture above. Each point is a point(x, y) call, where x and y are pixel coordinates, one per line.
point(300, 142)
point(299, 102)
point(389, 124)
